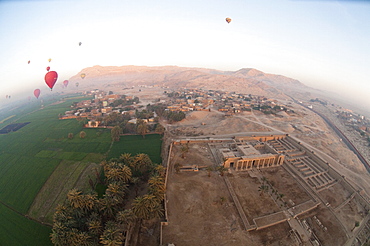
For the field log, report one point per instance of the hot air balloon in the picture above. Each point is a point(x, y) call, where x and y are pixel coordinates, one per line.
point(79, 43)
point(83, 75)
point(29, 62)
point(37, 93)
point(228, 20)
point(77, 84)
point(50, 79)
point(65, 83)
point(49, 60)
point(47, 69)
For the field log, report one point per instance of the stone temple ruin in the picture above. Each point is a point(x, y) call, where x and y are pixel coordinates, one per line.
point(316, 177)
point(248, 155)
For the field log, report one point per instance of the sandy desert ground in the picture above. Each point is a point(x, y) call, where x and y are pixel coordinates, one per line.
point(304, 125)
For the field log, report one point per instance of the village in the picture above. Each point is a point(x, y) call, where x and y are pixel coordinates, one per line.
point(184, 100)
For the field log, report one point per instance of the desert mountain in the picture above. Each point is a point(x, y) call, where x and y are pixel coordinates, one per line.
point(246, 80)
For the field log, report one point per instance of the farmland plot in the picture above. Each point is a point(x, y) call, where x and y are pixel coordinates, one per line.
point(136, 144)
point(17, 230)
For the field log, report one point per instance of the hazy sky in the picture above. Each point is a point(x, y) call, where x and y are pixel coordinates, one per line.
point(324, 44)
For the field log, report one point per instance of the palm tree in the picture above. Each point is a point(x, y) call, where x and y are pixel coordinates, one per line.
point(209, 170)
point(116, 192)
point(264, 179)
point(75, 198)
point(94, 224)
point(126, 159)
point(142, 129)
point(222, 200)
point(59, 234)
point(89, 201)
point(82, 134)
point(221, 169)
point(125, 174)
point(111, 236)
point(156, 183)
point(160, 170)
point(79, 238)
point(115, 133)
point(263, 189)
point(141, 162)
point(94, 123)
point(280, 196)
point(177, 167)
point(156, 212)
point(159, 129)
point(140, 208)
point(135, 181)
point(108, 206)
point(118, 173)
point(126, 217)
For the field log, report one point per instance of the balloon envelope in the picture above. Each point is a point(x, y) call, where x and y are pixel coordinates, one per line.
point(49, 60)
point(50, 78)
point(228, 20)
point(47, 69)
point(77, 84)
point(29, 62)
point(37, 93)
point(83, 75)
point(65, 83)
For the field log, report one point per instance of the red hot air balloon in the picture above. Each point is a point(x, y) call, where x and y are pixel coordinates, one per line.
point(50, 79)
point(37, 93)
point(47, 69)
point(65, 83)
point(29, 62)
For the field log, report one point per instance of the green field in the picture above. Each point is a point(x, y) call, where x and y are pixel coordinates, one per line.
point(16, 230)
point(136, 144)
point(39, 164)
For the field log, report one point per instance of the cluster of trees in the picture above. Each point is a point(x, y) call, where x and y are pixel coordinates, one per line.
point(161, 110)
point(265, 187)
point(141, 128)
point(266, 109)
point(88, 219)
point(124, 102)
point(82, 135)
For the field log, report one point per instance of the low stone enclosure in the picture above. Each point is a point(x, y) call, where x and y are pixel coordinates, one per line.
point(313, 176)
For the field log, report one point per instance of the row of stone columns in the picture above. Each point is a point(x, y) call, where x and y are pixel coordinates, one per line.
point(258, 163)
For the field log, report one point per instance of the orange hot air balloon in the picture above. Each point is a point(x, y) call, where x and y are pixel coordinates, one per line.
point(37, 93)
point(65, 83)
point(83, 75)
point(50, 79)
point(47, 69)
point(228, 20)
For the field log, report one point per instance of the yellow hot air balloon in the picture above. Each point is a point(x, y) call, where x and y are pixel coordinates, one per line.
point(49, 60)
point(228, 20)
point(83, 75)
